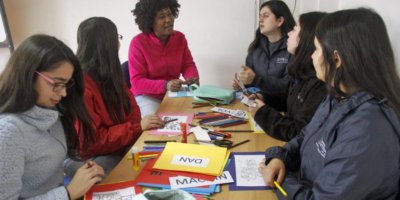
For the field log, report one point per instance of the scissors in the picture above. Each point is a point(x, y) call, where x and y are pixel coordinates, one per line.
point(241, 85)
point(220, 143)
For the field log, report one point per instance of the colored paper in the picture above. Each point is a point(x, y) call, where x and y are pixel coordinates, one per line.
point(193, 158)
point(121, 190)
point(185, 182)
point(254, 126)
point(160, 179)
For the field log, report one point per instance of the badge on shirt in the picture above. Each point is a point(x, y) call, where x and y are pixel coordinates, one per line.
point(282, 60)
point(321, 147)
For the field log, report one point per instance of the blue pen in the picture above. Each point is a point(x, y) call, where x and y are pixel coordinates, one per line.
point(213, 137)
point(153, 147)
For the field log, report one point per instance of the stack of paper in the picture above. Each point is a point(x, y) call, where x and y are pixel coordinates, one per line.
point(191, 167)
point(193, 158)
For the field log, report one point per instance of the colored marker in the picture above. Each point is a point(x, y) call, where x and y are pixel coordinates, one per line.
point(280, 189)
point(184, 133)
point(158, 141)
point(240, 143)
point(135, 156)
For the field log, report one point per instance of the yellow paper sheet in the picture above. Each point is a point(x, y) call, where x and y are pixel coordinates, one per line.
point(196, 158)
point(254, 126)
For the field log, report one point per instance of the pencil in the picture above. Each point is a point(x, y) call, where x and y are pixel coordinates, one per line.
point(240, 143)
point(233, 124)
point(235, 130)
point(157, 141)
point(148, 156)
point(171, 120)
point(280, 189)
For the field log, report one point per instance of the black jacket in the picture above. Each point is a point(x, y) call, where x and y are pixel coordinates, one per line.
point(302, 101)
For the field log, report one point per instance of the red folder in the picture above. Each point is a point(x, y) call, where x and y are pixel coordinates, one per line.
point(111, 187)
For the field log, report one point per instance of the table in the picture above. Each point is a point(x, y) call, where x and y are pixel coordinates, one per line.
point(258, 142)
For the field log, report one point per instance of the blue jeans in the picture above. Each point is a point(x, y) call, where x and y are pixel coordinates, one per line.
point(148, 105)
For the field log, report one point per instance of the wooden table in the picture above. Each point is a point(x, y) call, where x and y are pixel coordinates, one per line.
point(258, 142)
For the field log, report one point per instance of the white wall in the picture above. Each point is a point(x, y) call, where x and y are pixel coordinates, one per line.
point(388, 9)
point(218, 31)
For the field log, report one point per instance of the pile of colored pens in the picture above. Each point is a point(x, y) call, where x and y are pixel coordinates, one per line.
point(219, 119)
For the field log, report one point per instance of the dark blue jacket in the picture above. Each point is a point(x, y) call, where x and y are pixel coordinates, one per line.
point(270, 68)
point(271, 72)
point(350, 150)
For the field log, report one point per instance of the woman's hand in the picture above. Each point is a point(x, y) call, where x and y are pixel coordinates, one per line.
point(275, 170)
point(174, 85)
point(151, 122)
point(247, 75)
point(253, 110)
point(193, 80)
point(235, 86)
point(86, 176)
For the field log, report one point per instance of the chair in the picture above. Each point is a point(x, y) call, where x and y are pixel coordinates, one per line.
point(125, 72)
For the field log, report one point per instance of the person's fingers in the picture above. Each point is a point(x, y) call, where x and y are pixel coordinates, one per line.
point(281, 176)
point(269, 177)
point(244, 67)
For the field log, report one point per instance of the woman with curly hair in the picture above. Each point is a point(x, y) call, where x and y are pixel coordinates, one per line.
point(158, 55)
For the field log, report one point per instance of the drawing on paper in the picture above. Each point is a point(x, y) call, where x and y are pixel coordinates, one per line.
point(246, 167)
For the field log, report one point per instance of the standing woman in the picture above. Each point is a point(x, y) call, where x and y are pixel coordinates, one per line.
point(158, 55)
point(306, 91)
point(116, 117)
point(267, 58)
point(351, 148)
point(41, 93)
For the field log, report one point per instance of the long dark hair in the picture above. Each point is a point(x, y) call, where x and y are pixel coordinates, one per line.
point(17, 93)
point(146, 10)
point(301, 65)
point(98, 53)
point(360, 38)
point(280, 9)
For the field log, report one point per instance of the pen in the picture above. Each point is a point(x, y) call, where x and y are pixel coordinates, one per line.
point(280, 188)
point(240, 143)
point(233, 124)
point(157, 141)
point(236, 130)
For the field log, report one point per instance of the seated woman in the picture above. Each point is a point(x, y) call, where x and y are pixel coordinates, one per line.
point(41, 93)
point(267, 58)
point(351, 148)
point(158, 55)
point(306, 91)
point(115, 115)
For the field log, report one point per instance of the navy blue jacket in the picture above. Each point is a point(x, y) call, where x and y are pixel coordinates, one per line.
point(271, 72)
point(349, 150)
point(270, 68)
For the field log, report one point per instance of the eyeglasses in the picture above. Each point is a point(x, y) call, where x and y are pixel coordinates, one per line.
point(57, 87)
point(120, 37)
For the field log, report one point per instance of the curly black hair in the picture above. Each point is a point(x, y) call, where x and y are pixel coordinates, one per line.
point(146, 10)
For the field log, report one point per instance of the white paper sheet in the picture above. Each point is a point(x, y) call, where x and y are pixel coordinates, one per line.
point(246, 167)
point(185, 182)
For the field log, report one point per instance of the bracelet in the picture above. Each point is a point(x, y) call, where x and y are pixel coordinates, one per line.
point(69, 196)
